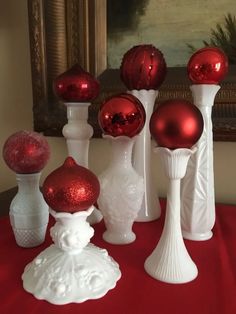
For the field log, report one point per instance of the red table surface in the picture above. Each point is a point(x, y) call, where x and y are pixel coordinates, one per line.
point(212, 292)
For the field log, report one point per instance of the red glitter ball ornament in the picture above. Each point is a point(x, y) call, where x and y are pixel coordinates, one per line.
point(143, 67)
point(176, 124)
point(76, 85)
point(122, 115)
point(26, 152)
point(71, 188)
point(208, 65)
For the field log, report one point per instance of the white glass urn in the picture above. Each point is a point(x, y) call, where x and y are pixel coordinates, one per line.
point(198, 196)
point(121, 192)
point(170, 261)
point(71, 269)
point(28, 211)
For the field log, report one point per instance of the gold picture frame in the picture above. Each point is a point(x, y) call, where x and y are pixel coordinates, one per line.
point(65, 32)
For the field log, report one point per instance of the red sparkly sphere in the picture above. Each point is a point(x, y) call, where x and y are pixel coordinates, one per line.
point(208, 65)
point(143, 67)
point(176, 124)
point(76, 85)
point(122, 115)
point(71, 188)
point(26, 152)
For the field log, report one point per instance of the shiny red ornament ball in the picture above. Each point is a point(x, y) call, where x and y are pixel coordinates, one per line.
point(76, 85)
point(208, 65)
point(176, 124)
point(122, 115)
point(143, 67)
point(71, 188)
point(26, 152)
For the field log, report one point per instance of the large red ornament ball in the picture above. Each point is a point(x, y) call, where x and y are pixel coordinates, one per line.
point(176, 124)
point(76, 85)
point(208, 65)
point(122, 115)
point(143, 67)
point(71, 188)
point(26, 152)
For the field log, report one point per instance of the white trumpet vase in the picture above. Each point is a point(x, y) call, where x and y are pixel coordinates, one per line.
point(198, 196)
point(71, 269)
point(150, 209)
point(28, 211)
point(170, 261)
point(78, 133)
point(121, 192)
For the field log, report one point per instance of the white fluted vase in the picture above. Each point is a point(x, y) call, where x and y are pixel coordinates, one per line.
point(170, 261)
point(198, 196)
point(150, 208)
point(71, 269)
point(78, 133)
point(28, 211)
point(121, 192)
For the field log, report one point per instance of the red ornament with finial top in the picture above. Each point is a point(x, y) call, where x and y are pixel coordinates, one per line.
point(143, 67)
point(176, 124)
point(76, 85)
point(208, 65)
point(71, 188)
point(26, 152)
point(122, 115)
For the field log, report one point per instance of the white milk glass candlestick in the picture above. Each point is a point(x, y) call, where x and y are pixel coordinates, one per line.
point(170, 261)
point(121, 192)
point(198, 197)
point(78, 133)
point(28, 211)
point(71, 269)
point(150, 208)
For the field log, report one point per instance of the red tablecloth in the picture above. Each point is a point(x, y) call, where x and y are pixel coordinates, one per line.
point(212, 292)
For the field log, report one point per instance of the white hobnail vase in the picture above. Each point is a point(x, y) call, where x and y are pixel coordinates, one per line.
point(170, 261)
point(150, 208)
point(71, 269)
point(198, 196)
point(28, 211)
point(78, 133)
point(121, 192)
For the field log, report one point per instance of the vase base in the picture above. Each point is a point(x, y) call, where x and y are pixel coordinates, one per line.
point(95, 217)
point(197, 236)
point(119, 238)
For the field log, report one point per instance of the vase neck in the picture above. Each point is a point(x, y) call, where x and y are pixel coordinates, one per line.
point(28, 183)
point(122, 152)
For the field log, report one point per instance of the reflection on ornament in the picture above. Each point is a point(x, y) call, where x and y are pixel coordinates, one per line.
point(121, 115)
point(27, 153)
point(71, 269)
point(143, 67)
point(208, 65)
point(176, 123)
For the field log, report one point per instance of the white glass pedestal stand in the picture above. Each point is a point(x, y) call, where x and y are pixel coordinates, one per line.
point(150, 208)
point(198, 196)
point(28, 211)
point(121, 192)
point(78, 133)
point(170, 261)
point(72, 269)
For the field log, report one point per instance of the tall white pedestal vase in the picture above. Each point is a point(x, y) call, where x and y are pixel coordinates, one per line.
point(150, 208)
point(78, 134)
point(198, 197)
point(121, 192)
point(28, 211)
point(71, 269)
point(170, 261)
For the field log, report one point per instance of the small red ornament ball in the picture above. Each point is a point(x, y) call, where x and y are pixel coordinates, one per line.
point(76, 85)
point(208, 65)
point(176, 124)
point(26, 152)
point(71, 188)
point(122, 115)
point(143, 67)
